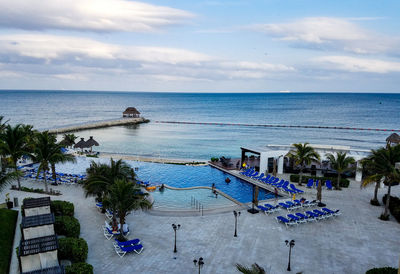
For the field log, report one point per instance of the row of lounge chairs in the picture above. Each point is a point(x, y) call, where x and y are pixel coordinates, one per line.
point(308, 216)
point(121, 248)
point(288, 205)
point(61, 178)
point(311, 184)
point(273, 181)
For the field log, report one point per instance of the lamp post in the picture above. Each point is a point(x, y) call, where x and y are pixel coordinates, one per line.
point(175, 228)
point(199, 263)
point(290, 245)
point(236, 214)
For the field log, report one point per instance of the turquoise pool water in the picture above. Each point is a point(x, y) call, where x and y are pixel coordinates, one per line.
point(180, 176)
point(184, 199)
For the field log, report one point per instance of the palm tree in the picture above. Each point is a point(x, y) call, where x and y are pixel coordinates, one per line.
point(60, 158)
point(254, 269)
point(101, 176)
point(384, 166)
point(46, 151)
point(2, 128)
point(126, 196)
point(371, 176)
point(68, 139)
point(341, 163)
point(303, 155)
point(13, 143)
point(6, 178)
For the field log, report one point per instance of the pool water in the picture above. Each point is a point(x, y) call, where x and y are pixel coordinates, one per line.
point(186, 199)
point(179, 176)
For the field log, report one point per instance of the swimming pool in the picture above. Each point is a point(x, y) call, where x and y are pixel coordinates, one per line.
point(185, 199)
point(179, 176)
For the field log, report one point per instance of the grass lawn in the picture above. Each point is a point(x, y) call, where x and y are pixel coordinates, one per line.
point(8, 219)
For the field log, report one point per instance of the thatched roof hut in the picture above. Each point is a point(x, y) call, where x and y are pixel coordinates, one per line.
point(81, 144)
point(91, 142)
point(131, 112)
point(394, 138)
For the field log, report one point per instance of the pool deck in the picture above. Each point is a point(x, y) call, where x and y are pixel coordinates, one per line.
point(351, 243)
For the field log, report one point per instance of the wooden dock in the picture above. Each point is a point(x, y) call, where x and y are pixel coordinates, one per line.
point(100, 124)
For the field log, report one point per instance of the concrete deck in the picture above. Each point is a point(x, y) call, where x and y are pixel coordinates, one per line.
point(351, 243)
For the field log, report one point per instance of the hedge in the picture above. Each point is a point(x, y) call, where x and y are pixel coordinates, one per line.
point(343, 181)
point(62, 208)
point(394, 206)
point(68, 226)
point(382, 270)
point(8, 220)
point(73, 249)
point(79, 268)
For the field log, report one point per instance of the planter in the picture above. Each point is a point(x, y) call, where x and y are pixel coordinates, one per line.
point(10, 205)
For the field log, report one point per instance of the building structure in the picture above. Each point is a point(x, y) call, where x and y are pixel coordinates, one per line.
point(131, 112)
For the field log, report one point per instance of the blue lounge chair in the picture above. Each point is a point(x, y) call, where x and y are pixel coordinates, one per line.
point(126, 243)
point(334, 213)
point(292, 205)
point(313, 215)
point(322, 214)
point(295, 219)
point(285, 206)
point(281, 219)
point(304, 217)
point(265, 180)
point(122, 250)
point(285, 184)
point(258, 177)
point(272, 208)
point(278, 184)
point(292, 186)
point(310, 183)
point(328, 184)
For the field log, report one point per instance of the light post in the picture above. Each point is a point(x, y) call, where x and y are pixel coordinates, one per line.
point(236, 214)
point(199, 263)
point(290, 245)
point(175, 228)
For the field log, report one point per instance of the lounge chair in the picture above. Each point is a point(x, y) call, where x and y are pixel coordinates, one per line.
point(292, 186)
point(328, 184)
point(258, 177)
point(295, 219)
point(285, 184)
point(293, 205)
point(281, 219)
point(127, 243)
point(310, 183)
point(285, 206)
point(313, 215)
point(122, 250)
point(276, 184)
point(108, 233)
point(334, 213)
point(305, 218)
point(324, 215)
point(265, 180)
point(272, 208)
point(264, 209)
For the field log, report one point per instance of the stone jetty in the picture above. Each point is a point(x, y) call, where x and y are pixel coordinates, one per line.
point(100, 124)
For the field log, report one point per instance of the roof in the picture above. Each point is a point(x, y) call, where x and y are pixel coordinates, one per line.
point(131, 110)
point(81, 144)
point(91, 142)
point(38, 245)
point(50, 270)
point(36, 202)
point(38, 220)
point(393, 138)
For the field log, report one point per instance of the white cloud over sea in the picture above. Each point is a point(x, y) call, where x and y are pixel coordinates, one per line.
point(64, 55)
point(89, 15)
point(331, 33)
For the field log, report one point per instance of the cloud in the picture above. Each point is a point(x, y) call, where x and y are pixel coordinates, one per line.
point(88, 15)
point(331, 33)
point(75, 58)
point(352, 64)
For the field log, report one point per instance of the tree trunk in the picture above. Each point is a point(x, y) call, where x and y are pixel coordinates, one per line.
point(301, 175)
point(45, 181)
point(18, 180)
point(377, 184)
point(386, 213)
point(3, 166)
point(319, 191)
point(338, 181)
point(122, 222)
point(53, 171)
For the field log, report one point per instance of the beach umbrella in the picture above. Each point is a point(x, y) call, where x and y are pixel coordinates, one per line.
point(81, 144)
point(91, 142)
point(394, 138)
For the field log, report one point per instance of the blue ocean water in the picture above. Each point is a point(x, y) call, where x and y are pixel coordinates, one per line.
point(50, 109)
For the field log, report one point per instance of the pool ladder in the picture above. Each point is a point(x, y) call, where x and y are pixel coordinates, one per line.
point(196, 204)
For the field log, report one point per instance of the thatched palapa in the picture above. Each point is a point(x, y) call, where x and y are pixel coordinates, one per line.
point(394, 138)
point(91, 142)
point(131, 112)
point(81, 144)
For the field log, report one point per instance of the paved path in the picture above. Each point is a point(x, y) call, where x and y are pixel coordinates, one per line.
point(352, 243)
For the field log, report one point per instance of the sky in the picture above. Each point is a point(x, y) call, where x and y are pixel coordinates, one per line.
point(201, 46)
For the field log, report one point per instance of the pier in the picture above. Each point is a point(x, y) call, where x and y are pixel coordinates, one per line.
point(100, 124)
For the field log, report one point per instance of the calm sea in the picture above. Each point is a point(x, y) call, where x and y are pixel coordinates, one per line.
point(50, 109)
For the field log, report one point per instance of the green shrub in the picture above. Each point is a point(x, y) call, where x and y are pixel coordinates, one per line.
point(382, 270)
point(73, 249)
point(68, 226)
point(214, 159)
point(394, 206)
point(79, 268)
point(62, 208)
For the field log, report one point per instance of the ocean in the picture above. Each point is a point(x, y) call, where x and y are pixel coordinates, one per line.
point(52, 109)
